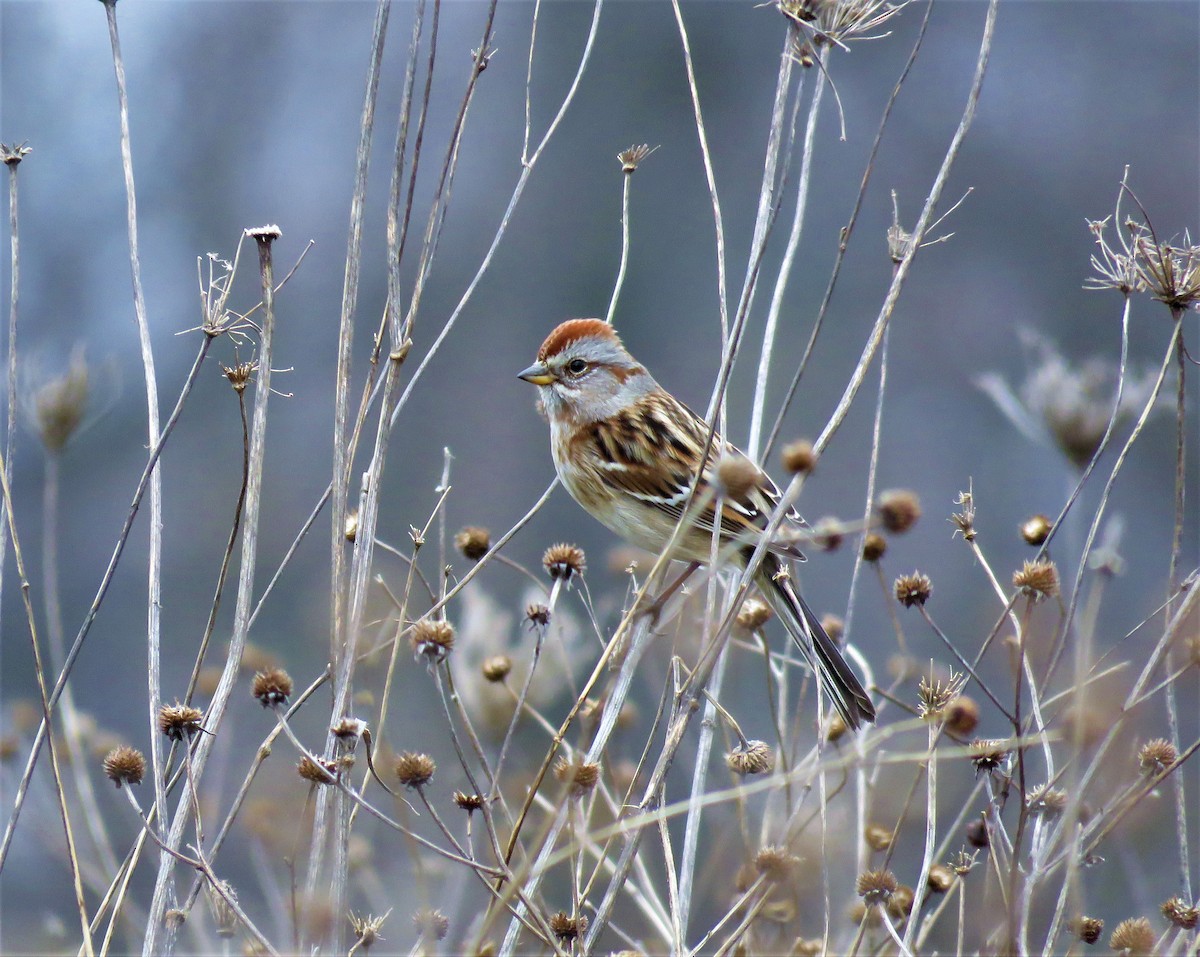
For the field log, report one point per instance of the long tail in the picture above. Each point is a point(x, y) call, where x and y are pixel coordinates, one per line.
point(837, 680)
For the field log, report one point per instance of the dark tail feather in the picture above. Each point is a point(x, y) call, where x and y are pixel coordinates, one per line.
point(836, 677)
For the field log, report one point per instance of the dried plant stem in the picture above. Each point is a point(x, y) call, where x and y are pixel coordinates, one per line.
point(14, 296)
point(626, 180)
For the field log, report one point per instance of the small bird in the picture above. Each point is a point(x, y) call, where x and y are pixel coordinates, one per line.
point(629, 452)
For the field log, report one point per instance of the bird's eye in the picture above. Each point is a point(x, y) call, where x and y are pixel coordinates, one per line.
point(577, 366)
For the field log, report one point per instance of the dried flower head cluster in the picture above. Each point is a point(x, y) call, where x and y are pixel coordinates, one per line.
point(1087, 929)
point(1180, 913)
point(271, 687)
point(497, 667)
point(753, 757)
point(1155, 756)
point(875, 887)
point(913, 589)
point(988, 755)
point(468, 802)
point(934, 695)
point(567, 928)
point(125, 765)
point(631, 157)
point(537, 614)
point(317, 771)
point(753, 614)
point(1036, 529)
point(414, 770)
point(799, 457)
point(898, 510)
point(964, 520)
point(564, 561)
point(580, 776)
point(1133, 937)
point(473, 542)
point(179, 721)
point(432, 638)
point(367, 928)
point(1046, 801)
point(878, 837)
point(776, 863)
point(60, 403)
point(1037, 579)
point(1170, 273)
point(874, 547)
point(431, 924)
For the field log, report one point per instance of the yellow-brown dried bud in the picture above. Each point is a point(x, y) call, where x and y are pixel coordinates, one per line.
point(878, 837)
point(1036, 529)
point(898, 509)
point(125, 765)
point(564, 561)
point(473, 542)
point(179, 721)
point(753, 757)
point(567, 928)
point(961, 716)
point(1134, 937)
point(433, 638)
point(497, 667)
point(271, 687)
point(1156, 756)
point(1087, 929)
point(753, 614)
point(913, 589)
point(414, 770)
point(1037, 580)
point(875, 887)
point(1180, 913)
point(581, 776)
point(799, 457)
point(874, 547)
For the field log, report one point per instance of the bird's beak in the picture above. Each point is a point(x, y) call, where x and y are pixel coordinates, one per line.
point(538, 374)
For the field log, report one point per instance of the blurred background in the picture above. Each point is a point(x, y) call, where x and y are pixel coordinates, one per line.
point(247, 113)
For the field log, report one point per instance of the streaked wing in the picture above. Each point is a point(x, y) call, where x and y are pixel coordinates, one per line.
point(652, 452)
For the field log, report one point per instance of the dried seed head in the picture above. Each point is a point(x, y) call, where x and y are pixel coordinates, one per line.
point(874, 547)
point(1180, 913)
point(977, 833)
point(271, 687)
point(898, 509)
point(631, 157)
point(11, 154)
point(1036, 529)
point(497, 667)
point(754, 757)
point(468, 802)
point(878, 837)
point(224, 916)
point(799, 457)
point(934, 695)
point(987, 755)
point(1046, 801)
point(366, 929)
point(964, 521)
point(900, 904)
point(414, 770)
point(581, 776)
point(125, 765)
point(835, 729)
point(59, 404)
point(1134, 937)
point(913, 589)
point(432, 638)
point(875, 887)
point(810, 946)
point(473, 542)
point(962, 716)
point(431, 924)
point(567, 928)
point(1037, 580)
point(563, 561)
point(860, 913)
point(962, 862)
point(1087, 929)
point(348, 731)
point(827, 534)
point(317, 772)
point(240, 374)
point(537, 614)
point(753, 614)
point(350, 529)
point(737, 475)
point(940, 879)
point(1156, 756)
point(179, 721)
point(775, 863)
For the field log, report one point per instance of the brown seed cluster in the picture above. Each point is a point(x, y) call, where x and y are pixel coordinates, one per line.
point(1134, 937)
point(874, 547)
point(799, 457)
point(432, 638)
point(753, 614)
point(961, 716)
point(987, 755)
point(775, 863)
point(497, 667)
point(179, 721)
point(468, 802)
point(878, 837)
point(753, 757)
point(913, 589)
point(940, 878)
point(1180, 913)
point(1047, 801)
point(537, 614)
point(414, 770)
point(1036, 529)
point(431, 924)
point(1156, 756)
point(875, 887)
point(898, 510)
point(564, 561)
point(1037, 580)
point(581, 776)
point(737, 475)
point(1087, 929)
point(271, 687)
point(317, 772)
point(473, 542)
point(567, 928)
point(125, 765)
point(827, 534)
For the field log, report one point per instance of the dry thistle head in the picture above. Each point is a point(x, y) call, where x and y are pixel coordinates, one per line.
point(753, 614)
point(753, 757)
point(567, 928)
point(878, 837)
point(271, 687)
point(414, 770)
point(987, 755)
point(366, 929)
point(11, 154)
point(317, 772)
point(1037, 580)
point(432, 638)
point(827, 534)
point(941, 878)
point(497, 667)
point(962, 716)
point(224, 916)
point(737, 475)
point(348, 731)
point(799, 457)
point(1046, 801)
point(934, 695)
point(1155, 756)
point(124, 765)
point(900, 904)
point(1134, 937)
point(431, 924)
point(179, 721)
point(913, 589)
point(1171, 273)
point(775, 863)
point(977, 833)
point(1036, 529)
point(564, 561)
point(239, 374)
point(581, 776)
point(468, 802)
point(59, 404)
point(1180, 913)
point(875, 887)
point(537, 614)
point(1087, 929)
point(631, 157)
point(473, 542)
point(964, 521)
point(874, 547)
point(898, 509)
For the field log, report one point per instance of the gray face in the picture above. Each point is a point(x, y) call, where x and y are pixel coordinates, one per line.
point(590, 379)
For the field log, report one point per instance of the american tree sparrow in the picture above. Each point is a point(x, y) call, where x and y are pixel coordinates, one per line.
point(628, 452)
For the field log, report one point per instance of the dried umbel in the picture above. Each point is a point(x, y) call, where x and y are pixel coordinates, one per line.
point(935, 695)
point(125, 765)
point(753, 757)
point(799, 457)
point(272, 687)
point(366, 929)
